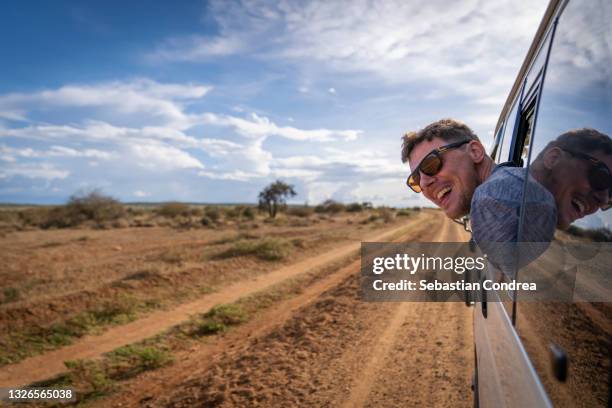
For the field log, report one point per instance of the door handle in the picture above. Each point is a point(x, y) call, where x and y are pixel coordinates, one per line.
point(559, 361)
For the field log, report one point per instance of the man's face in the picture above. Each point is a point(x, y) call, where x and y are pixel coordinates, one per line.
point(574, 196)
point(452, 187)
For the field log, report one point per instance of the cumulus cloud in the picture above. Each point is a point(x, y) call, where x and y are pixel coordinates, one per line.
point(154, 100)
point(468, 49)
point(159, 156)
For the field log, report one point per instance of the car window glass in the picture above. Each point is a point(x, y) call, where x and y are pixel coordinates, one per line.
point(507, 138)
point(573, 116)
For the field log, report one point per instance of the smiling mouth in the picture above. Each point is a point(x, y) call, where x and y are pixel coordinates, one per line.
point(579, 206)
point(443, 193)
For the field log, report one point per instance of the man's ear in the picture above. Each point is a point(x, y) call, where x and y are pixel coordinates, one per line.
point(476, 151)
point(551, 157)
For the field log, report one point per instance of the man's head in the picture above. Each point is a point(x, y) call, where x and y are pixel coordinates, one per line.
point(575, 167)
point(463, 167)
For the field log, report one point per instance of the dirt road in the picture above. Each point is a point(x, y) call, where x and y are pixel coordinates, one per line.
point(50, 364)
point(326, 347)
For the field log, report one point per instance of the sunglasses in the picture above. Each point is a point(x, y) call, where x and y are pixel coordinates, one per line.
point(599, 175)
point(430, 165)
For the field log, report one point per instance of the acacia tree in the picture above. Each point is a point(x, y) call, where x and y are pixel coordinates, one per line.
point(274, 196)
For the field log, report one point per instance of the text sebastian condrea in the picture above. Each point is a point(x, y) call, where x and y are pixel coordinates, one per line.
point(405, 284)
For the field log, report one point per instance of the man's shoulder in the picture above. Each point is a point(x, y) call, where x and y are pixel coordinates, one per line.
point(503, 182)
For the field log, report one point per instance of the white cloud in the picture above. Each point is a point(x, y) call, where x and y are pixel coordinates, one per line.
point(141, 193)
point(34, 171)
point(195, 48)
point(468, 49)
point(155, 100)
point(10, 154)
point(159, 156)
point(261, 126)
point(236, 175)
point(332, 90)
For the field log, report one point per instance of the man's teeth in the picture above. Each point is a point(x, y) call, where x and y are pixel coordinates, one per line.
point(442, 192)
point(579, 204)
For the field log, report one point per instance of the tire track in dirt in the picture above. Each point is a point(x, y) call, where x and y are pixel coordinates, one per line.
point(48, 365)
point(405, 313)
point(195, 363)
point(316, 358)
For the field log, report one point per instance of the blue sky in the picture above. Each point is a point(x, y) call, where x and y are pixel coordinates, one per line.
point(211, 101)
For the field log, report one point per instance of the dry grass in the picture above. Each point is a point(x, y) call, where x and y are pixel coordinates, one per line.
point(267, 249)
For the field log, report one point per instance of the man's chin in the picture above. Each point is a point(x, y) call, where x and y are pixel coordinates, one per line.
point(453, 213)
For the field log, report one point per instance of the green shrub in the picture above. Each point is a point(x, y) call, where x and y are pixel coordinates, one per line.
point(34, 216)
point(173, 210)
point(92, 206)
point(219, 318)
point(248, 213)
point(89, 377)
point(404, 212)
point(268, 249)
point(329, 206)
point(213, 213)
point(354, 207)
point(133, 359)
point(302, 211)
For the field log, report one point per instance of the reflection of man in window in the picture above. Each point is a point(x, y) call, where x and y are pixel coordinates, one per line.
point(569, 179)
point(575, 168)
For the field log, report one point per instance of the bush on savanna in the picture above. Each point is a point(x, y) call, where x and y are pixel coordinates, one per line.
point(416, 208)
point(219, 318)
point(213, 213)
point(267, 249)
point(329, 206)
point(9, 216)
point(130, 360)
point(301, 211)
point(92, 206)
point(173, 210)
point(196, 211)
point(354, 207)
point(207, 222)
point(240, 212)
point(35, 216)
point(404, 212)
point(89, 377)
point(95, 206)
point(248, 213)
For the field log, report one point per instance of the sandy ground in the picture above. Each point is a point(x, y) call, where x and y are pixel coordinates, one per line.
point(323, 347)
point(328, 348)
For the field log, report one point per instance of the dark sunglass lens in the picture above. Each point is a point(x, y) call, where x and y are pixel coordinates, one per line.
point(414, 182)
point(431, 165)
point(600, 178)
